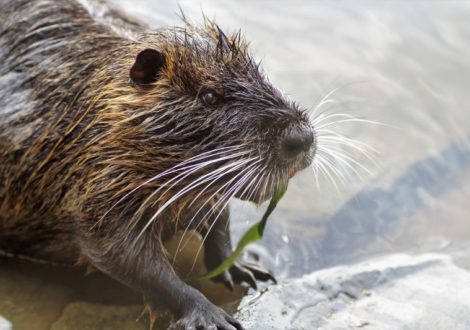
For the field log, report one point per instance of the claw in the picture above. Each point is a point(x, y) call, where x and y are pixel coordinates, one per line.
point(247, 272)
point(250, 278)
point(243, 274)
point(204, 315)
point(228, 281)
point(234, 322)
point(89, 270)
point(260, 274)
point(150, 309)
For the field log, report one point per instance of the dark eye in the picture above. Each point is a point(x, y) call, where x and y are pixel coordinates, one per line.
point(210, 98)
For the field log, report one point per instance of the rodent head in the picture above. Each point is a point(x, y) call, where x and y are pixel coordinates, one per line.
point(213, 107)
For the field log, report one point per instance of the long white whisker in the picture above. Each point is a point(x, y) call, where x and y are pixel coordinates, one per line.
point(266, 182)
point(226, 193)
point(323, 169)
point(207, 201)
point(344, 163)
point(179, 167)
point(337, 146)
point(194, 184)
point(321, 118)
point(254, 189)
point(329, 163)
point(361, 146)
point(234, 189)
point(355, 120)
point(323, 100)
point(314, 168)
point(180, 177)
point(226, 196)
point(345, 156)
point(247, 188)
point(176, 168)
point(335, 151)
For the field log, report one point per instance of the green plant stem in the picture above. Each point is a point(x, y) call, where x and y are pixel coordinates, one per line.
point(253, 234)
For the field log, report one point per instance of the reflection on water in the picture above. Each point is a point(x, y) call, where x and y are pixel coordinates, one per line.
point(403, 63)
point(423, 209)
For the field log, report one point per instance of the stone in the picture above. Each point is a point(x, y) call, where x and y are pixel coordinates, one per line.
point(392, 292)
point(4, 324)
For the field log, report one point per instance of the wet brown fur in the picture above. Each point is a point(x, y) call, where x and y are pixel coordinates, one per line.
point(76, 135)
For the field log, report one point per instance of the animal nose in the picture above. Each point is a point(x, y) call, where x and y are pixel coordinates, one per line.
point(296, 143)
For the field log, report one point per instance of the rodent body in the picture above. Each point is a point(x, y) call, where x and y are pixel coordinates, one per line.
point(112, 138)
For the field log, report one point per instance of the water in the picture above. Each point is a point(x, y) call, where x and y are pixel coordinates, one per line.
point(402, 63)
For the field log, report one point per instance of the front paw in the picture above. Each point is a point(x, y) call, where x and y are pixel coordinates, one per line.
point(244, 272)
point(205, 316)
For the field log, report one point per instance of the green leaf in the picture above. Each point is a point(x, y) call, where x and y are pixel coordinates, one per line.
point(253, 234)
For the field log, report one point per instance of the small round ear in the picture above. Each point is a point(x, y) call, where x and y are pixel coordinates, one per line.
point(147, 67)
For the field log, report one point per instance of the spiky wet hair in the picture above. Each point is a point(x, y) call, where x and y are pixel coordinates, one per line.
point(195, 48)
point(195, 52)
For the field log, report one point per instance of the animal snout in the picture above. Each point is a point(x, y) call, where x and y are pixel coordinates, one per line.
point(297, 143)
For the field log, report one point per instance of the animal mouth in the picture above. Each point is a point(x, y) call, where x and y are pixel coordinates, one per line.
point(292, 174)
point(257, 181)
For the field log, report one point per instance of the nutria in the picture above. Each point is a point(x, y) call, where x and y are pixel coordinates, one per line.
point(114, 137)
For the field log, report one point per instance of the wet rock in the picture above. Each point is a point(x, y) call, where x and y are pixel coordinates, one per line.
point(393, 292)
